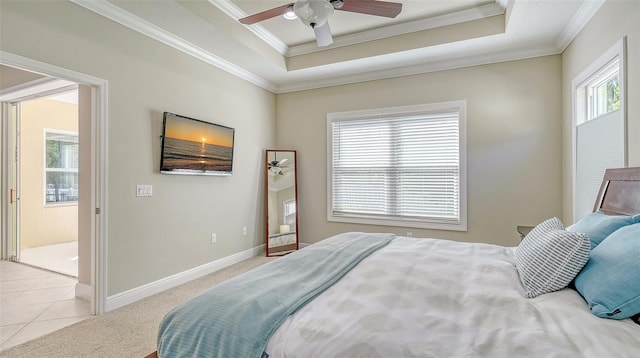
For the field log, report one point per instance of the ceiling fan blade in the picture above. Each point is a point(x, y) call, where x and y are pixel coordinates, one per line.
point(261, 16)
point(282, 161)
point(372, 7)
point(323, 35)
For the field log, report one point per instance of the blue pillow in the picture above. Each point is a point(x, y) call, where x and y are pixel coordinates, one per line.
point(599, 225)
point(610, 282)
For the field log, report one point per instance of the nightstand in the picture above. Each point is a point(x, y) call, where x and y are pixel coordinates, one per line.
point(523, 230)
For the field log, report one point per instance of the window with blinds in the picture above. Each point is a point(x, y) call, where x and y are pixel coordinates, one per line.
point(399, 166)
point(599, 137)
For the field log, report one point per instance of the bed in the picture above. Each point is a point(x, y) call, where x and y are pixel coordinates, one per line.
point(381, 295)
point(282, 243)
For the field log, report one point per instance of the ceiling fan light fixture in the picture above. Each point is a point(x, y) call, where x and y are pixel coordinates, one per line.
point(276, 170)
point(323, 35)
point(313, 12)
point(290, 14)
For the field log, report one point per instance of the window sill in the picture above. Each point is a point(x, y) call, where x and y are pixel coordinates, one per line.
point(421, 224)
point(57, 205)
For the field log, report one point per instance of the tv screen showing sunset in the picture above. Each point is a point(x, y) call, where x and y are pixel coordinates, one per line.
point(192, 146)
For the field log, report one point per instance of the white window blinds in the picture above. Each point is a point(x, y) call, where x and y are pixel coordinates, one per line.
point(403, 167)
point(600, 134)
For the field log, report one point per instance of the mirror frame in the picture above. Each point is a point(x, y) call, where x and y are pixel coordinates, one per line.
point(285, 249)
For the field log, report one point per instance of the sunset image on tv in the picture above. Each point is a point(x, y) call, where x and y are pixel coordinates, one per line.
point(195, 147)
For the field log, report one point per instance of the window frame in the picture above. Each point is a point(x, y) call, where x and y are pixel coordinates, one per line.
point(588, 89)
point(413, 110)
point(287, 216)
point(46, 170)
point(582, 109)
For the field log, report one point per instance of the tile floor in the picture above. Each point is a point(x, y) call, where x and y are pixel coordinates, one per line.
point(61, 258)
point(34, 302)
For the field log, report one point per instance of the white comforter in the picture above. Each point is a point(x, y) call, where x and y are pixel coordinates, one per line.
point(439, 298)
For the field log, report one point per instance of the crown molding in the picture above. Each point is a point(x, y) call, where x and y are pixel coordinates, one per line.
point(112, 12)
point(234, 12)
point(578, 22)
point(444, 65)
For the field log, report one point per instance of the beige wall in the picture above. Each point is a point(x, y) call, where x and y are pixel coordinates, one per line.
point(614, 20)
point(39, 224)
point(151, 238)
point(513, 144)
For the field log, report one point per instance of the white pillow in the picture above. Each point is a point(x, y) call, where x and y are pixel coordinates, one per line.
point(550, 257)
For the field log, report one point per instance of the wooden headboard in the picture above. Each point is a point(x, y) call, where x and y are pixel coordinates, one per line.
point(619, 192)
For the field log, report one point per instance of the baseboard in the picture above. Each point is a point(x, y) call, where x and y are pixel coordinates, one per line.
point(124, 298)
point(83, 291)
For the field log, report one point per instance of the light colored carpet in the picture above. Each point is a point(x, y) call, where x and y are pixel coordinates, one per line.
point(129, 331)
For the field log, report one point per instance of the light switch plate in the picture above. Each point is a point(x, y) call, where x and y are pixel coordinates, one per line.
point(144, 190)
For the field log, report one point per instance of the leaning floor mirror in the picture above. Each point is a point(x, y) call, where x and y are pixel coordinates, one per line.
point(281, 202)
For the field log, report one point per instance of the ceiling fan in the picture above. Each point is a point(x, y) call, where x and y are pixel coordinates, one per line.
point(316, 13)
point(277, 167)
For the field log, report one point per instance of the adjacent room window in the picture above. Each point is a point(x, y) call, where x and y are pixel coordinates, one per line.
point(402, 166)
point(61, 167)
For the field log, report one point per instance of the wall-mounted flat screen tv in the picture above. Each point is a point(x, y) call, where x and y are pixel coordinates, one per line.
point(192, 146)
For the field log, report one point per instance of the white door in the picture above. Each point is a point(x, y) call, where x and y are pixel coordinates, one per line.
point(11, 119)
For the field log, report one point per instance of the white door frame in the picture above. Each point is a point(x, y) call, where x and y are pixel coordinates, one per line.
point(99, 121)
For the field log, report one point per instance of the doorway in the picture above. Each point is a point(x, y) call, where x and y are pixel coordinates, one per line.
point(40, 284)
point(92, 135)
point(47, 162)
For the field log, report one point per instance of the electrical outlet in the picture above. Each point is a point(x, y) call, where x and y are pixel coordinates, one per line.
point(214, 238)
point(244, 230)
point(409, 234)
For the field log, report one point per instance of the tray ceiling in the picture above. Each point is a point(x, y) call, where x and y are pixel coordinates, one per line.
point(281, 55)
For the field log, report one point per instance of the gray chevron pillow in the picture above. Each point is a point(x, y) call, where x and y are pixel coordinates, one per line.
point(550, 257)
